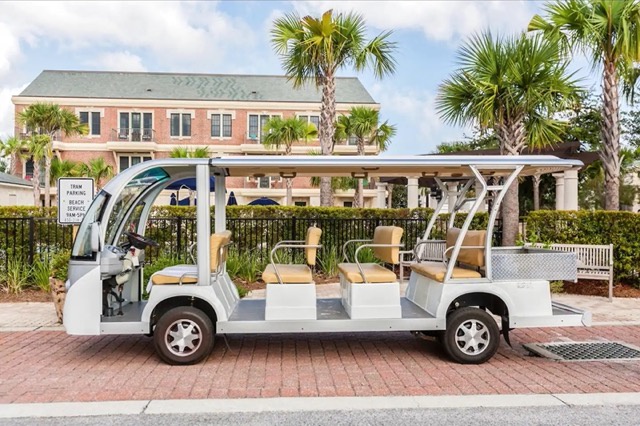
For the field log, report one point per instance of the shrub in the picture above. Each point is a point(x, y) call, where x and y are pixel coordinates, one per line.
point(60, 265)
point(16, 276)
point(328, 260)
point(41, 273)
point(592, 227)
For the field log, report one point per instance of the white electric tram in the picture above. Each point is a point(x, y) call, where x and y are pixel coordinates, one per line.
point(461, 290)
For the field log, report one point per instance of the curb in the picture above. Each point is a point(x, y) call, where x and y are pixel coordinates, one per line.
point(302, 404)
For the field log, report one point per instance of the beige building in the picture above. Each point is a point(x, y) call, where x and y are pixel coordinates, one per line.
point(134, 117)
point(15, 191)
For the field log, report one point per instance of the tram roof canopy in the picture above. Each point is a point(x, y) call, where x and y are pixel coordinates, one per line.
point(444, 166)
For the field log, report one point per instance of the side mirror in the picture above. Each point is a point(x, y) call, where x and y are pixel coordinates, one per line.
point(95, 237)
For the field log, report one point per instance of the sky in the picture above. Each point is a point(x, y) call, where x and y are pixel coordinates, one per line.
point(232, 37)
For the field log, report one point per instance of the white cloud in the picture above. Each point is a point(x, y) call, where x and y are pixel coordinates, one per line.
point(7, 110)
point(118, 61)
point(438, 20)
point(414, 112)
point(9, 49)
point(178, 35)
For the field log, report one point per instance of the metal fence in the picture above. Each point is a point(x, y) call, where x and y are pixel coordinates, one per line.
point(30, 238)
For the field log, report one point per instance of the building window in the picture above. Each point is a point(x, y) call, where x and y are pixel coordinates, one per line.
point(300, 203)
point(264, 182)
point(91, 120)
point(221, 125)
point(126, 161)
point(352, 140)
point(180, 125)
point(257, 123)
point(347, 204)
point(313, 119)
point(135, 126)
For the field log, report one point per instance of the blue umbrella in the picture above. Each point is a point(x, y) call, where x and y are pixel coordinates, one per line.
point(190, 183)
point(264, 201)
point(232, 199)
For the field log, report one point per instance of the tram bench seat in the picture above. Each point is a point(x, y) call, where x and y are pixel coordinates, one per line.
point(188, 274)
point(437, 271)
point(373, 273)
point(297, 299)
point(370, 290)
point(290, 274)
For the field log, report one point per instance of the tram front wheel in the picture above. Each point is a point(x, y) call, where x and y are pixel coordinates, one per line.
point(183, 335)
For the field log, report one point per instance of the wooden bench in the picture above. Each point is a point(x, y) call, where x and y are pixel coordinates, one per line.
point(595, 262)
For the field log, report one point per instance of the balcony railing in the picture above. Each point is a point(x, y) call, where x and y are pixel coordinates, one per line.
point(254, 138)
point(27, 135)
point(133, 135)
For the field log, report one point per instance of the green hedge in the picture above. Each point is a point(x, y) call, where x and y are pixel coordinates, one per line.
point(622, 229)
point(27, 211)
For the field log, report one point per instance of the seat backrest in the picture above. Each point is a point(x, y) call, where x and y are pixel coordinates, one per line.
point(219, 239)
point(387, 235)
point(475, 256)
point(313, 238)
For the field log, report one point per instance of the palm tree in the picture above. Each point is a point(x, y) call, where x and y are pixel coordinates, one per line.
point(37, 146)
point(64, 168)
point(48, 120)
point(184, 152)
point(608, 31)
point(13, 148)
point(98, 169)
point(315, 49)
point(514, 86)
point(284, 133)
point(363, 123)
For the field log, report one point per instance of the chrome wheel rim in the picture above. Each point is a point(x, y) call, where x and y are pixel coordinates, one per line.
point(183, 337)
point(472, 337)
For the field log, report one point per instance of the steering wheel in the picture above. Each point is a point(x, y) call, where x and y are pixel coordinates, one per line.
point(140, 242)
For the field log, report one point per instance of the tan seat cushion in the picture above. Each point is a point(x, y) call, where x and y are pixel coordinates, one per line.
point(218, 240)
point(372, 271)
point(437, 270)
point(387, 235)
point(160, 279)
point(290, 274)
point(313, 239)
point(470, 256)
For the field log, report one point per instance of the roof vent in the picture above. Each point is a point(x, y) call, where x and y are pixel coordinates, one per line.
point(148, 90)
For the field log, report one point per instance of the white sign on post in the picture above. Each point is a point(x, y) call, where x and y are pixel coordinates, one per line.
point(74, 197)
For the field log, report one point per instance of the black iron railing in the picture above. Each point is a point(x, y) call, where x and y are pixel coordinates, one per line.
point(27, 239)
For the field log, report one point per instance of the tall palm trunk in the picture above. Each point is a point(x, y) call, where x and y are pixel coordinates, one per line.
point(35, 181)
point(47, 176)
point(289, 184)
point(326, 131)
point(12, 167)
point(512, 140)
point(536, 192)
point(358, 198)
point(610, 151)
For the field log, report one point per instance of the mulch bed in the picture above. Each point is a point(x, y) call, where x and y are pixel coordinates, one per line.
point(28, 295)
point(600, 288)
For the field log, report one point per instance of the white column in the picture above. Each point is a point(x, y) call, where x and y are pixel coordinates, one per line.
point(571, 189)
point(559, 190)
point(381, 187)
point(221, 203)
point(412, 192)
point(483, 206)
point(452, 193)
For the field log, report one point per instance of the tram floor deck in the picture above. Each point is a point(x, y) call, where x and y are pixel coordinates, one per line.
point(328, 309)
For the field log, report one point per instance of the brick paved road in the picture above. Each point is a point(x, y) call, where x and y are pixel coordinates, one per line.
point(49, 366)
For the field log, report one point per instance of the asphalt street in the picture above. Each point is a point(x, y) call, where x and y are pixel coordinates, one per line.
point(560, 416)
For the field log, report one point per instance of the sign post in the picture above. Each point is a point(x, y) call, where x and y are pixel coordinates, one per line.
point(74, 197)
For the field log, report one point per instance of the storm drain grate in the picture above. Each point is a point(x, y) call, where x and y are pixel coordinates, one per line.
point(585, 351)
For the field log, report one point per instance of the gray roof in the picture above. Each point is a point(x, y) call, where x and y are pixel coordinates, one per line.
point(200, 87)
point(14, 180)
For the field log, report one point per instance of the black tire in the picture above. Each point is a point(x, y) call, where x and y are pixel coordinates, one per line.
point(484, 343)
point(194, 346)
